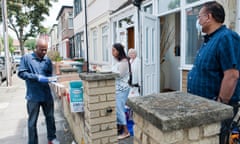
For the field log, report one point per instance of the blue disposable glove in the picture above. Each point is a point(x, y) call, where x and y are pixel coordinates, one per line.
point(43, 79)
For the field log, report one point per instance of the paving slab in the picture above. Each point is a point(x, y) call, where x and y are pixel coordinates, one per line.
point(13, 119)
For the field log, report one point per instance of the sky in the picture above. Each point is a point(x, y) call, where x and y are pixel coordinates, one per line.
point(50, 20)
point(54, 10)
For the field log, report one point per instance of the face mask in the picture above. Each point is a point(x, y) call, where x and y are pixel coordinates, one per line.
point(199, 28)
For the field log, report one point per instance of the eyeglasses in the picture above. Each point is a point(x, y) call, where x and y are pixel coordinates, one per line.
point(199, 16)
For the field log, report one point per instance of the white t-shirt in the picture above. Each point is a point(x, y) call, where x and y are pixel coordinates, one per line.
point(121, 67)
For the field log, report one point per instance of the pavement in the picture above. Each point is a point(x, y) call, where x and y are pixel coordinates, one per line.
point(13, 119)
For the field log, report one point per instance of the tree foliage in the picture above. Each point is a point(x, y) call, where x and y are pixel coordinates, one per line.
point(25, 17)
point(10, 44)
point(30, 44)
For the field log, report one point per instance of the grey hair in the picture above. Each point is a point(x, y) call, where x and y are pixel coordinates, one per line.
point(132, 50)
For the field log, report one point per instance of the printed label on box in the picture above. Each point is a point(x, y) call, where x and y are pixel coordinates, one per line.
point(76, 100)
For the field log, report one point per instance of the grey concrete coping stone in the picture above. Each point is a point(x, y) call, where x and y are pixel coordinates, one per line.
point(98, 76)
point(179, 110)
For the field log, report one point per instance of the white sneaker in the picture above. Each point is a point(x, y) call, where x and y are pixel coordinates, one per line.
point(54, 141)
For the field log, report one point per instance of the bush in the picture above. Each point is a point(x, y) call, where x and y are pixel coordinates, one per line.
point(54, 55)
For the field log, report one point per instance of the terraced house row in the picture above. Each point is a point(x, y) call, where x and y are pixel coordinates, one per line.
point(162, 31)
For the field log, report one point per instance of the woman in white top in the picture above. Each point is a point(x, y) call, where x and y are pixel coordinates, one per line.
point(122, 87)
point(136, 73)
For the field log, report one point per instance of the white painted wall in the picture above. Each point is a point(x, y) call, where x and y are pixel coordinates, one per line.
point(79, 22)
point(99, 7)
point(96, 9)
point(114, 4)
point(170, 67)
point(59, 29)
point(54, 35)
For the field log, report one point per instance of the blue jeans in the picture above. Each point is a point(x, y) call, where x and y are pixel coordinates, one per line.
point(121, 99)
point(33, 112)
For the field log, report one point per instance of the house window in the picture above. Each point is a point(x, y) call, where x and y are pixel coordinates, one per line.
point(191, 1)
point(82, 48)
point(71, 46)
point(115, 31)
point(70, 20)
point(167, 5)
point(79, 46)
point(193, 38)
point(105, 47)
point(148, 9)
point(94, 44)
point(77, 7)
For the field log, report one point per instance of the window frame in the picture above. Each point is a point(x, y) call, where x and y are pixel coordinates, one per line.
point(77, 46)
point(70, 20)
point(77, 7)
point(94, 43)
point(105, 47)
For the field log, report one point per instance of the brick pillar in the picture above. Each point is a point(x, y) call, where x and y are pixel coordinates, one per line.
point(99, 108)
point(177, 118)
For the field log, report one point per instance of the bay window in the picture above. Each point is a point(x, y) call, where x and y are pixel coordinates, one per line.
point(105, 44)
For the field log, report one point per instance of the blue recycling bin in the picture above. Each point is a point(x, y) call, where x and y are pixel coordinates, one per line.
point(76, 96)
point(79, 66)
point(130, 126)
point(130, 122)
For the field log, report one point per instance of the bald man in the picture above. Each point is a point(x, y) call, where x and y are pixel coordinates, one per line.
point(35, 69)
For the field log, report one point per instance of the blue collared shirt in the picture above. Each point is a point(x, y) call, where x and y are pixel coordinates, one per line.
point(219, 52)
point(30, 67)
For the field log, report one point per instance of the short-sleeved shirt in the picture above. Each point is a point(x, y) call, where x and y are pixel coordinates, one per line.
point(219, 52)
point(30, 67)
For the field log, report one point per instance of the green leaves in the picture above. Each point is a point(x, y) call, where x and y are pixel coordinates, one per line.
point(30, 44)
point(25, 17)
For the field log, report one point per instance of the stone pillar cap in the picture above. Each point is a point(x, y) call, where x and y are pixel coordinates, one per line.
point(98, 76)
point(179, 110)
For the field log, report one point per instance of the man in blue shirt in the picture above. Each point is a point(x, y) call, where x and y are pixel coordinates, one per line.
point(215, 73)
point(35, 69)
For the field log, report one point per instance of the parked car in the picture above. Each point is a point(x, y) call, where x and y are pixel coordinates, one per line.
point(14, 65)
point(3, 73)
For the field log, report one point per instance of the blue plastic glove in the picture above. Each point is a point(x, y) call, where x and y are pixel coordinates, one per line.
point(43, 79)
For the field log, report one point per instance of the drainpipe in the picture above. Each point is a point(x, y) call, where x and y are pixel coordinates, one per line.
point(137, 3)
point(86, 32)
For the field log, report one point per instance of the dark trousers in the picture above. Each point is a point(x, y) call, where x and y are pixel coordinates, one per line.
point(33, 112)
point(227, 125)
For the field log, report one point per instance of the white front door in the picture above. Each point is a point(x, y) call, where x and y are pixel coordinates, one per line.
point(150, 54)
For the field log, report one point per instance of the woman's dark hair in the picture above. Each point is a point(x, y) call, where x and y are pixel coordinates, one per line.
point(216, 10)
point(121, 53)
